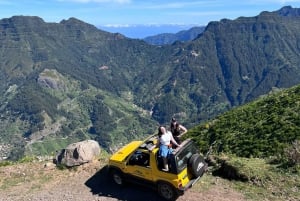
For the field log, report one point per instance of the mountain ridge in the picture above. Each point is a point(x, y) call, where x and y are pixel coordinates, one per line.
point(169, 38)
point(118, 89)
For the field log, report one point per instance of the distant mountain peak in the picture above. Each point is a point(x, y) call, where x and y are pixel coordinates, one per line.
point(72, 20)
point(289, 11)
point(76, 22)
point(20, 19)
point(169, 38)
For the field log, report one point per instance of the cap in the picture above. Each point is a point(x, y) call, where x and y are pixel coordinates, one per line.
point(173, 119)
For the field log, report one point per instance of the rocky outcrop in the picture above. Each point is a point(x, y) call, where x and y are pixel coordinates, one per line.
point(4, 151)
point(50, 78)
point(78, 153)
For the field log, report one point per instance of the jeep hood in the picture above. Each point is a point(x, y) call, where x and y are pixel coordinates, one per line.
point(122, 153)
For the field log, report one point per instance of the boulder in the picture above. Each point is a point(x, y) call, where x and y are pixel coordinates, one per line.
point(78, 153)
point(52, 79)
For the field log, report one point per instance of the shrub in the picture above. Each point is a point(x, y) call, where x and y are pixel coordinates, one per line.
point(292, 153)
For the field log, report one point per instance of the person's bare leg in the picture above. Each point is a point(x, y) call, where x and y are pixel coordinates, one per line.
point(166, 167)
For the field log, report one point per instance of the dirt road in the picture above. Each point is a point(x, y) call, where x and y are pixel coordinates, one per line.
point(44, 182)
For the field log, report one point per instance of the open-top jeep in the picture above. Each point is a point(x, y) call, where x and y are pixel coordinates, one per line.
point(140, 163)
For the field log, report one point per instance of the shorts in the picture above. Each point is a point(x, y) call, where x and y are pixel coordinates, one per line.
point(164, 150)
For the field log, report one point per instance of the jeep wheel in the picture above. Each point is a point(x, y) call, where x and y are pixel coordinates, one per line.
point(197, 165)
point(167, 191)
point(117, 177)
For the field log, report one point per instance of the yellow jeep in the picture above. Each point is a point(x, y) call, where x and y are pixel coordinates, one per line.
point(138, 162)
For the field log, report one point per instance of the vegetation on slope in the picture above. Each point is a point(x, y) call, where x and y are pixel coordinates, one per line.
point(267, 127)
point(257, 146)
point(59, 112)
point(257, 179)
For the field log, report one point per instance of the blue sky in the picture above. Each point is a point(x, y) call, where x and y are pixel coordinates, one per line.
point(136, 12)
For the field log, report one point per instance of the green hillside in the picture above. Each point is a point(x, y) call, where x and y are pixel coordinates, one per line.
point(263, 128)
point(257, 146)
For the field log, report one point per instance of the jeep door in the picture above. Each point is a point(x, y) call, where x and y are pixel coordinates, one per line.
point(139, 169)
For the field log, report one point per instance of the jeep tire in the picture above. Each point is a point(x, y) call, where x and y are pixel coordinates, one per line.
point(117, 177)
point(197, 165)
point(167, 191)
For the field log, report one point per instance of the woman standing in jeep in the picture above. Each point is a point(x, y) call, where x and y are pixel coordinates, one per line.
point(164, 143)
point(177, 130)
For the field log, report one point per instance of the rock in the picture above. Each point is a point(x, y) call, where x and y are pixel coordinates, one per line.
point(49, 166)
point(51, 79)
point(78, 153)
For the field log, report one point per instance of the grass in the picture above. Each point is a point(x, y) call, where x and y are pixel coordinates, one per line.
point(33, 181)
point(5, 163)
point(26, 171)
point(285, 187)
point(259, 180)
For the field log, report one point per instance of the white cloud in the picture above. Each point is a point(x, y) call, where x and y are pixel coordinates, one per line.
point(117, 25)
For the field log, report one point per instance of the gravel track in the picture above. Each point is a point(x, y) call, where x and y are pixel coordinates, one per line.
point(42, 181)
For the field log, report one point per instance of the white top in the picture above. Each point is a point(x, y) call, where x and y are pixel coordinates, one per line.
point(165, 139)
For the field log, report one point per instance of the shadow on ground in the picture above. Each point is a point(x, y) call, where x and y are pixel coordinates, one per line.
point(101, 184)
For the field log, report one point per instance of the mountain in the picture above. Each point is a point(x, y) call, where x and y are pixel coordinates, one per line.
point(63, 82)
point(68, 81)
point(140, 31)
point(169, 38)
